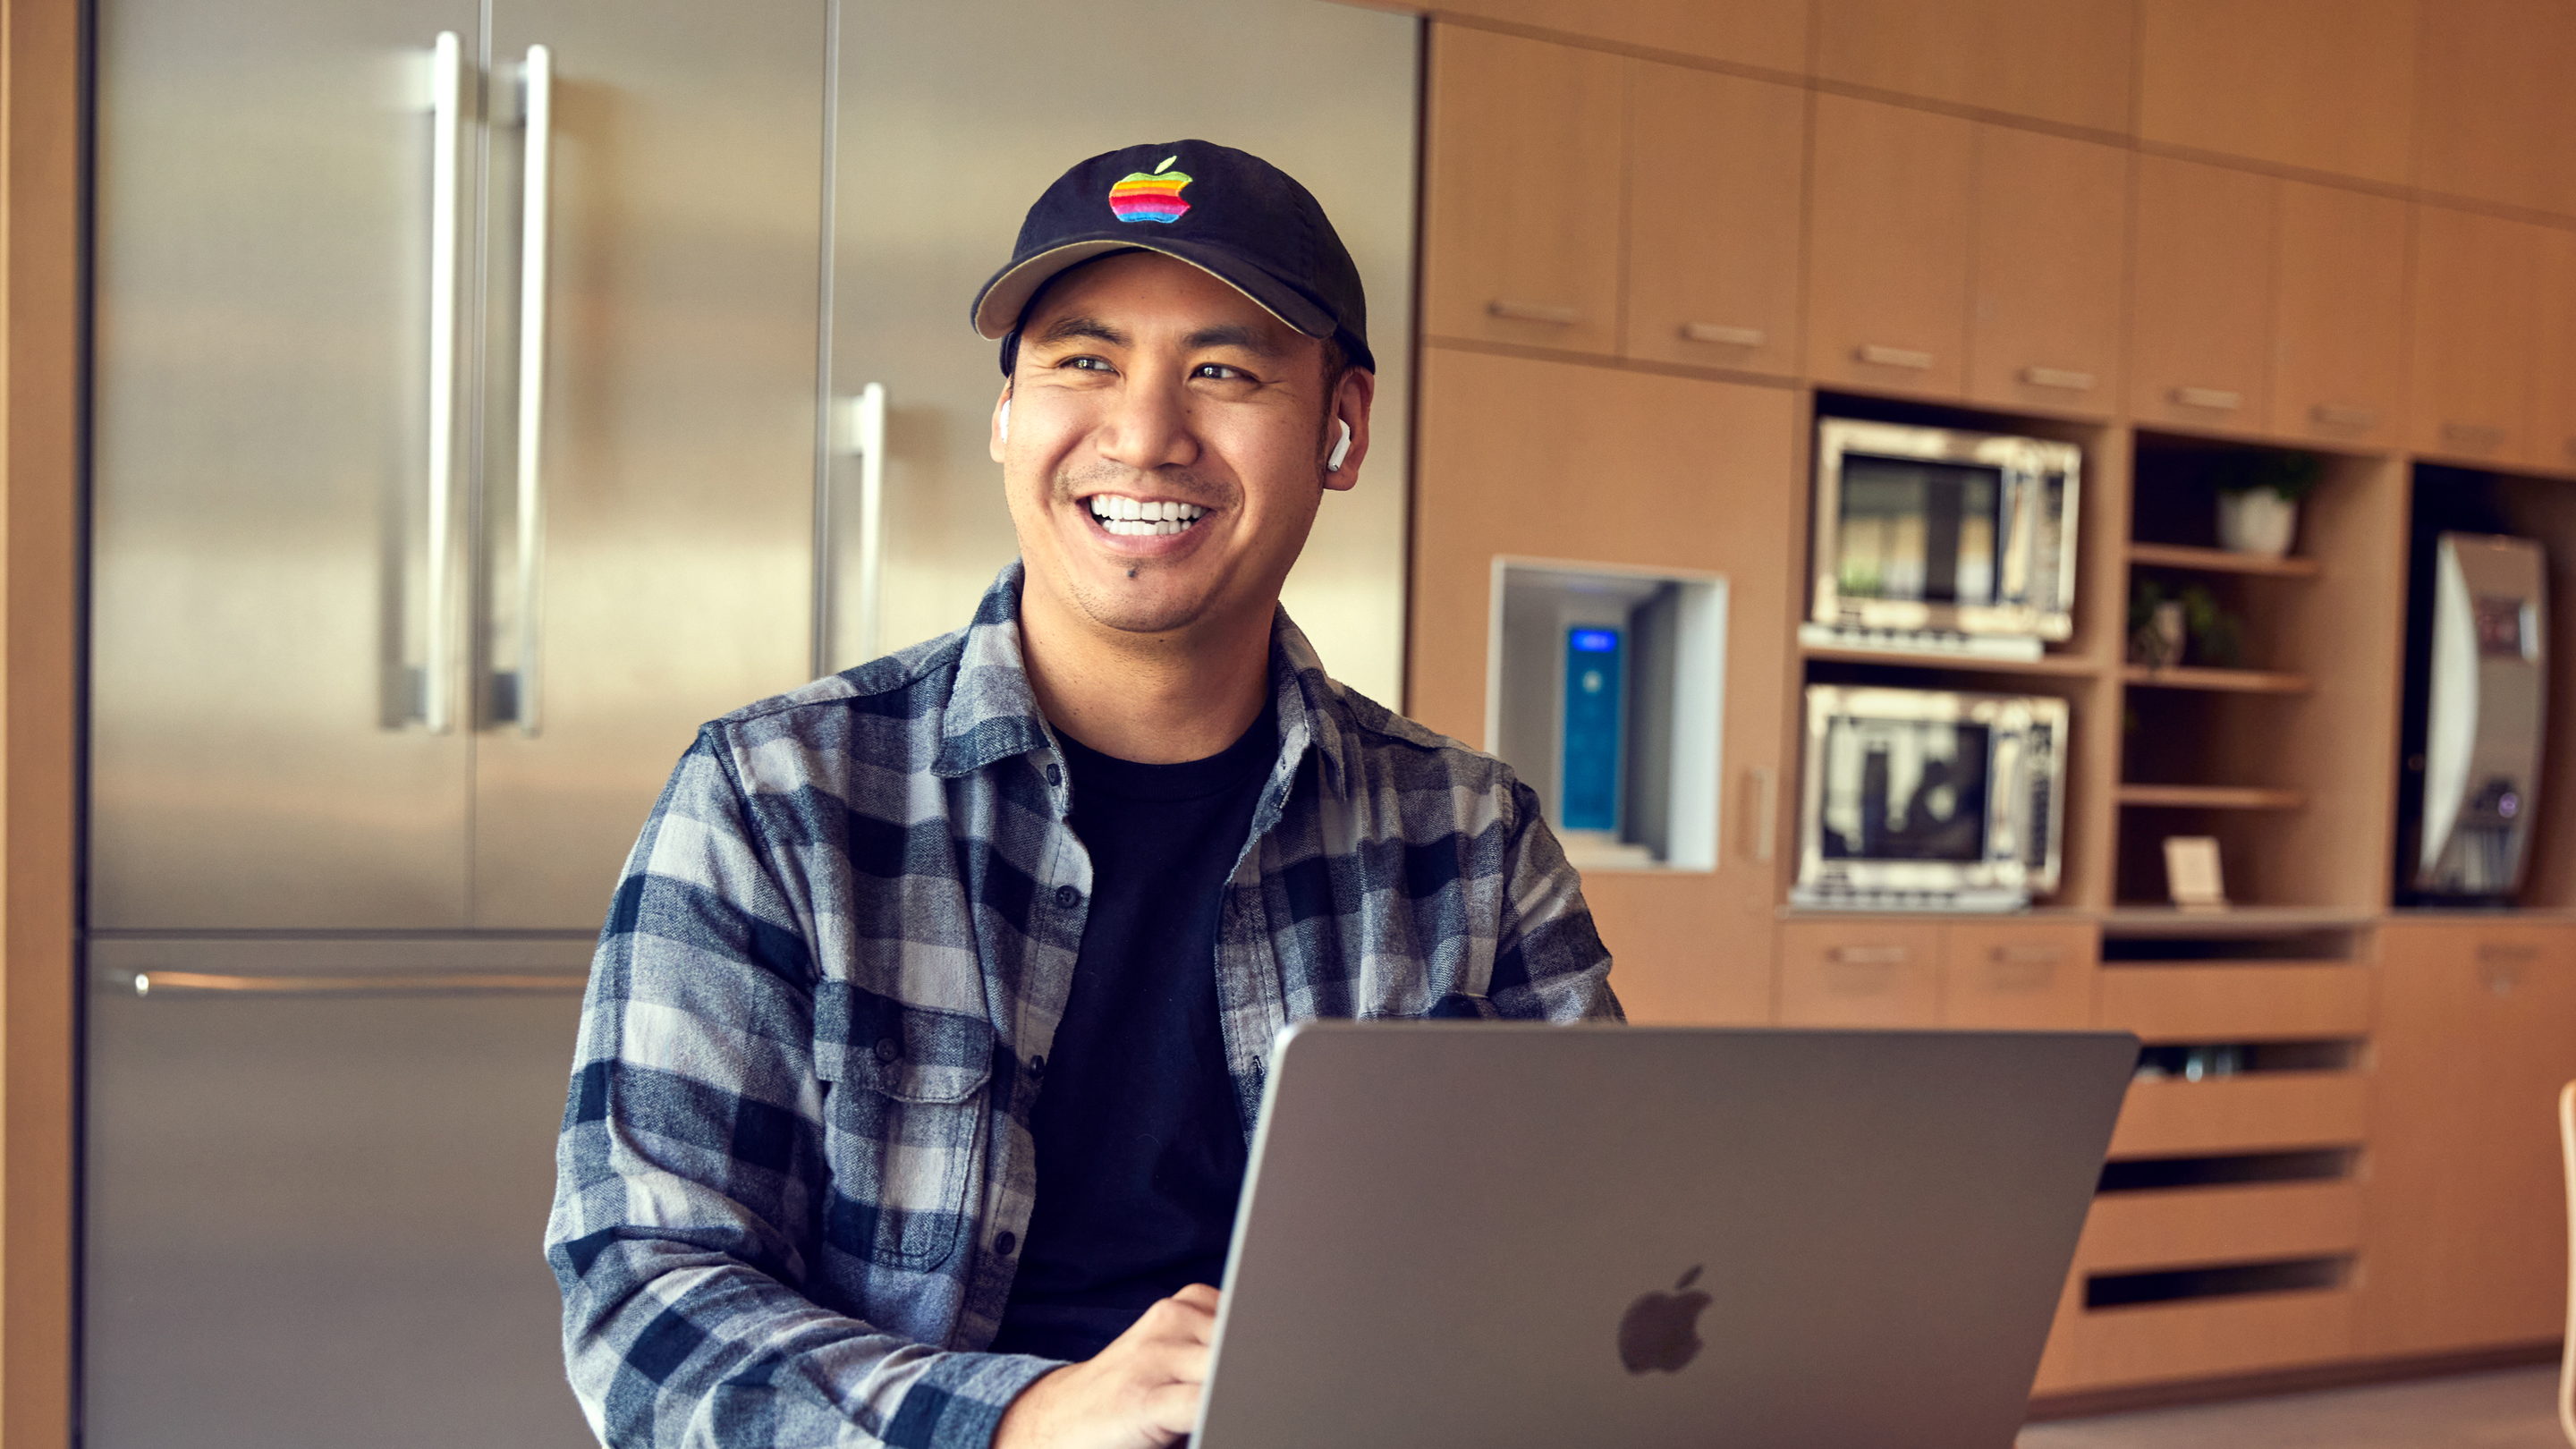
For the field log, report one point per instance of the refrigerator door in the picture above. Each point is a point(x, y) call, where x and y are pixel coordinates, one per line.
point(276, 596)
point(660, 565)
point(931, 175)
point(318, 1173)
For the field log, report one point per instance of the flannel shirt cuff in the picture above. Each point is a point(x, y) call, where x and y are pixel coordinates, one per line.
point(958, 1401)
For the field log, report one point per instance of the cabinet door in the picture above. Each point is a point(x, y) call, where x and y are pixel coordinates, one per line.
point(1715, 175)
point(1768, 33)
point(2018, 975)
point(2472, 352)
point(2340, 328)
point(1521, 230)
point(668, 582)
point(1888, 244)
point(2494, 116)
point(2553, 373)
point(1855, 973)
point(2052, 219)
point(2319, 84)
point(2061, 60)
point(1704, 470)
point(2201, 307)
point(2467, 1221)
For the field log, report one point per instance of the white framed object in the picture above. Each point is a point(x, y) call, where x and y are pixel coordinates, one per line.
point(2191, 873)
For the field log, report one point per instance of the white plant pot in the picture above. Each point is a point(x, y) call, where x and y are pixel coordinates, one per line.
point(2258, 521)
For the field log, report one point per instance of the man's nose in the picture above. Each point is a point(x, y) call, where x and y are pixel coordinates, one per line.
point(1150, 428)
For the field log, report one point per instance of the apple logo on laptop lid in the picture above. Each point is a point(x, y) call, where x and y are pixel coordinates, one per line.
point(1660, 1331)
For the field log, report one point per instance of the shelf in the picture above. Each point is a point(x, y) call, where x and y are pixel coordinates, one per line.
point(2212, 797)
point(2228, 681)
point(2220, 561)
point(2145, 920)
point(2066, 665)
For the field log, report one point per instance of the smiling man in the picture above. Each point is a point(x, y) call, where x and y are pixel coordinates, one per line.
point(925, 1039)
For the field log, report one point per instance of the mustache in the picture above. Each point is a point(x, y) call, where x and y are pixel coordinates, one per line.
point(1188, 485)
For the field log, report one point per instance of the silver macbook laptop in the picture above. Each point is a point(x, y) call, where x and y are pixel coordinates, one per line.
point(1472, 1234)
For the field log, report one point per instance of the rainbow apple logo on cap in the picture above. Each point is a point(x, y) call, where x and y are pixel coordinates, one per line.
point(1150, 195)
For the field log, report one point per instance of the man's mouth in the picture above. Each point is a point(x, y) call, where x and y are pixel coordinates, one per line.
point(1141, 517)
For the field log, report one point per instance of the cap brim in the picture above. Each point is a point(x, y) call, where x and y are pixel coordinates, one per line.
point(998, 307)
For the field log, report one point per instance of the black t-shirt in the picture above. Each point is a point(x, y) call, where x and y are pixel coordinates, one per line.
point(1140, 1146)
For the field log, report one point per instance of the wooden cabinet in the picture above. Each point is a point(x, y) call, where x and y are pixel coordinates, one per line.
point(1860, 973)
point(1716, 181)
point(1514, 454)
point(1521, 218)
point(1993, 975)
point(2466, 1217)
point(2327, 85)
point(1771, 34)
point(1887, 242)
point(2060, 60)
point(2339, 328)
point(2200, 308)
point(2495, 119)
point(2051, 224)
point(2552, 439)
point(2473, 335)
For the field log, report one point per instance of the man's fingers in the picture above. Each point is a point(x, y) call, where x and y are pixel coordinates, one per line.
point(1199, 1295)
point(1173, 1408)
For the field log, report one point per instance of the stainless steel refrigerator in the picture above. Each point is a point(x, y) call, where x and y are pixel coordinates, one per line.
point(485, 394)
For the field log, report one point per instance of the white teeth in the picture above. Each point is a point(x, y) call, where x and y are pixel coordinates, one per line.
point(1133, 517)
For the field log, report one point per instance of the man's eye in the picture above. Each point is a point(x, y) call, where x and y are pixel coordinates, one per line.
point(1219, 371)
point(1086, 363)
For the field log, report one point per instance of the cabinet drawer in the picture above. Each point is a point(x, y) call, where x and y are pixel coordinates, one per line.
point(1855, 974)
point(2251, 1113)
point(2182, 1227)
point(2161, 1341)
point(2022, 976)
point(2236, 1003)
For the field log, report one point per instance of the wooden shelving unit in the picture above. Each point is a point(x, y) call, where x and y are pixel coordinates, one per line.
point(2221, 561)
point(2233, 681)
point(2211, 797)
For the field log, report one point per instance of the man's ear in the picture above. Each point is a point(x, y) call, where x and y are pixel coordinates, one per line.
point(1001, 429)
point(1351, 403)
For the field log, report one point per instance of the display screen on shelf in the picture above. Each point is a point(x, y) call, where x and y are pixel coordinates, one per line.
point(1918, 531)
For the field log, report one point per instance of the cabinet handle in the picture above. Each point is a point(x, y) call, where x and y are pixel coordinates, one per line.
point(2473, 437)
point(2027, 955)
point(2506, 952)
point(536, 170)
point(1766, 812)
point(1868, 955)
point(1716, 332)
point(155, 985)
point(2334, 416)
point(1532, 312)
point(1893, 356)
point(2059, 378)
point(2217, 399)
point(447, 105)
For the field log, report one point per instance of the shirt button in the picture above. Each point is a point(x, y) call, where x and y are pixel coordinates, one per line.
point(1037, 1066)
point(1067, 897)
point(1005, 1245)
point(888, 1049)
point(1055, 775)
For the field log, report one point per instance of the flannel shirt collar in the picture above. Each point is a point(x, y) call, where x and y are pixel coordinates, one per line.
point(992, 712)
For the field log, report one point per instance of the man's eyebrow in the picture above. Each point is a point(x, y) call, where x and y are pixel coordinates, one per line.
point(1233, 334)
point(1067, 328)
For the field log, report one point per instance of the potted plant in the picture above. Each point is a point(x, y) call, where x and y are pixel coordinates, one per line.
point(2258, 499)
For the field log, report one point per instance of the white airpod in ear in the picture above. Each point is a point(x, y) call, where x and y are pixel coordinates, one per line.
point(1006, 420)
point(1333, 464)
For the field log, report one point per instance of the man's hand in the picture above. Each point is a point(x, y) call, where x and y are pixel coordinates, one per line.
point(1141, 1392)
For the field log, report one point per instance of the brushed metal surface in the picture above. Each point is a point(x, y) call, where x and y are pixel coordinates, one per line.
point(259, 580)
point(954, 117)
point(682, 338)
point(313, 1220)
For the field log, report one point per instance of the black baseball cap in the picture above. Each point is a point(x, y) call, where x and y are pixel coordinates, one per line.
point(1227, 212)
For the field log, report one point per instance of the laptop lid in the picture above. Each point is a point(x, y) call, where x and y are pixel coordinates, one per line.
point(1480, 1234)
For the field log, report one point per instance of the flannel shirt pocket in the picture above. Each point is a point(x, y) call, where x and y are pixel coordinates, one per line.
point(904, 1110)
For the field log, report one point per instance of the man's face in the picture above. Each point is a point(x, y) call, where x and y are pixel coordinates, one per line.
point(1147, 387)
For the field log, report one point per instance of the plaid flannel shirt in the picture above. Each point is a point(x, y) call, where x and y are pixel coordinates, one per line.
point(796, 1161)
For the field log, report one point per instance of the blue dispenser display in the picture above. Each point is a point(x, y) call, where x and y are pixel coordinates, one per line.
point(1593, 729)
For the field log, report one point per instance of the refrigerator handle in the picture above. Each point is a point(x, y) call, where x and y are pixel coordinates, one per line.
point(534, 215)
point(447, 105)
point(160, 984)
point(858, 427)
